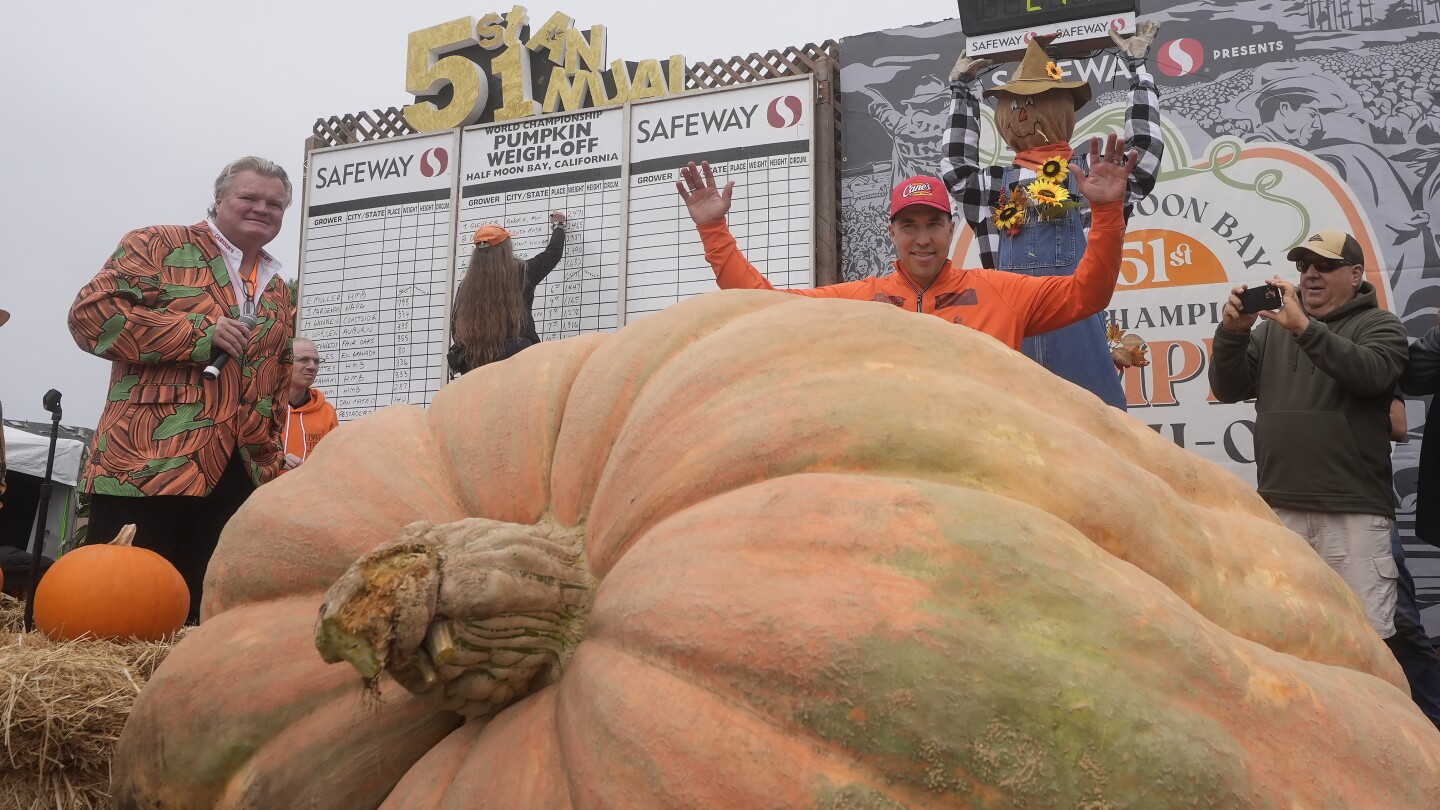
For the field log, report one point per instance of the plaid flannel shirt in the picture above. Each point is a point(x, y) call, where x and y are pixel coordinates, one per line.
point(977, 189)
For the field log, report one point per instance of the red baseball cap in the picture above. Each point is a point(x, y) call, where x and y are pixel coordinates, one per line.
point(919, 190)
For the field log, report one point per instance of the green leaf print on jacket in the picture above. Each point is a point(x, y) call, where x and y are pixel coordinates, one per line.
point(182, 420)
point(187, 255)
point(155, 466)
point(172, 292)
point(120, 391)
point(220, 271)
point(130, 290)
point(204, 347)
point(114, 326)
point(106, 485)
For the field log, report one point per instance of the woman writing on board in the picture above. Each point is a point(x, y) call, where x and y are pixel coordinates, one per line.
point(492, 318)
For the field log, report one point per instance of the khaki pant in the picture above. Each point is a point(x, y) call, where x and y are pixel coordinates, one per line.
point(1357, 547)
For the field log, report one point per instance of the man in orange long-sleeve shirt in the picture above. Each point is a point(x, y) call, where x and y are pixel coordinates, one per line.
point(1007, 306)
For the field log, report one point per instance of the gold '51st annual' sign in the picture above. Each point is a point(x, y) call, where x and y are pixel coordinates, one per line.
point(465, 71)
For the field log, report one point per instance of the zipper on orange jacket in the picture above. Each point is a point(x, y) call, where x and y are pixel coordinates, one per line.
point(919, 293)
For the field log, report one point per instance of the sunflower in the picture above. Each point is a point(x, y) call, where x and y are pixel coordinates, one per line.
point(1054, 170)
point(1044, 192)
point(1053, 71)
point(1009, 217)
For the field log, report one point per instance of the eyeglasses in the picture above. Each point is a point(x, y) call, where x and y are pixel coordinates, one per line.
point(1322, 265)
point(309, 361)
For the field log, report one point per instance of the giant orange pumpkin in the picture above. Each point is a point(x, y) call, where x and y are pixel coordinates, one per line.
point(761, 551)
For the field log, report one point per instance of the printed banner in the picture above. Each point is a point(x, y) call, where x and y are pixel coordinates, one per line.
point(1279, 120)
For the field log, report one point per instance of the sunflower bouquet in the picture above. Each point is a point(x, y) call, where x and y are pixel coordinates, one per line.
point(1046, 195)
point(1012, 210)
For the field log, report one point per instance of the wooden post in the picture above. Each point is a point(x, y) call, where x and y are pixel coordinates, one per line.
point(827, 171)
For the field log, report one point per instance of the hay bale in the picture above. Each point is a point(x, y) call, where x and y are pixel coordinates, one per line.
point(62, 707)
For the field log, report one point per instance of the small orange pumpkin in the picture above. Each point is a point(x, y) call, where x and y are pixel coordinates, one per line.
point(112, 590)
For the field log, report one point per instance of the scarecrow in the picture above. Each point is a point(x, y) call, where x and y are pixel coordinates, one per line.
point(1029, 216)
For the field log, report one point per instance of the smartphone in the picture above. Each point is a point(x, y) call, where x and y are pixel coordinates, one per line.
point(1254, 299)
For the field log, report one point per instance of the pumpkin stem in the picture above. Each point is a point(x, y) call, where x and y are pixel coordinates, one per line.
point(440, 642)
point(471, 612)
point(125, 537)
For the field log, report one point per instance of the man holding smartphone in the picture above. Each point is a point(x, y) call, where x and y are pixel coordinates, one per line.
point(1322, 369)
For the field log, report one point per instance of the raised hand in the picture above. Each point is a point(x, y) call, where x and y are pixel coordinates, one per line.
point(967, 69)
point(1109, 173)
point(704, 199)
point(1137, 45)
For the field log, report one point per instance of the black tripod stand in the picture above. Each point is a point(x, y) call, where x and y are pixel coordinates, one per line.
point(52, 404)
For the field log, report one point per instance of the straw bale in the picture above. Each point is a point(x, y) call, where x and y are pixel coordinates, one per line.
point(62, 707)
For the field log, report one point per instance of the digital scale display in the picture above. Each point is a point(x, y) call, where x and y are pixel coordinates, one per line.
point(1000, 29)
point(979, 17)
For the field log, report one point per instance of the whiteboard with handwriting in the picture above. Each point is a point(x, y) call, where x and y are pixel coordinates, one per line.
point(376, 268)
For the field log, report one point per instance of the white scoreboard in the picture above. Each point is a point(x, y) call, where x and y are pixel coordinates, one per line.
point(375, 265)
point(387, 225)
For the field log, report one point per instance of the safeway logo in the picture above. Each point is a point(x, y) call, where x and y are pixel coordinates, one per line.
point(1181, 57)
point(784, 111)
point(434, 161)
point(1119, 24)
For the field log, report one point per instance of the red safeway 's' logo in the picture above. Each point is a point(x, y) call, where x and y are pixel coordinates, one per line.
point(784, 111)
point(1180, 57)
point(434, 161)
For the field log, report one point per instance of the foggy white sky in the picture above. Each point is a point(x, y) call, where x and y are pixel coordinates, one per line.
point(119, 115)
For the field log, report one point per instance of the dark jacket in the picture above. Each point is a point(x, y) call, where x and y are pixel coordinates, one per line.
point(1422, 377)
point(535, 269)
point(460, 361)
point(1322, 410)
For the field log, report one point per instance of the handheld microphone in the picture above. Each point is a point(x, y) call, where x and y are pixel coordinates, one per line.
point(213, 370)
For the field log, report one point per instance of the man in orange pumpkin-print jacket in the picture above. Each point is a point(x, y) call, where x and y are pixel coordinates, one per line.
point(1006, 306)
point(175, 453)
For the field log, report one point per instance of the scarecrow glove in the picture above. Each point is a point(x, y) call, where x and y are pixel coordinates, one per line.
point(1137, 45)
point(966, 69)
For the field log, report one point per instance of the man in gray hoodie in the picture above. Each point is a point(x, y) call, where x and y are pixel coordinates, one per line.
point(1322, 369)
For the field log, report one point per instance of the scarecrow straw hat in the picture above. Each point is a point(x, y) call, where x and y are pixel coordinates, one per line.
point(1038, 74)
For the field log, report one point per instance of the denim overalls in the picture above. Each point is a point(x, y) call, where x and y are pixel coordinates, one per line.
point(1079, 352)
